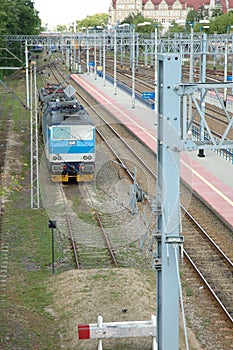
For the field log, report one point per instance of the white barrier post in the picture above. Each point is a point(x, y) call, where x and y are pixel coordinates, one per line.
point(100, 324)
point(154, 342)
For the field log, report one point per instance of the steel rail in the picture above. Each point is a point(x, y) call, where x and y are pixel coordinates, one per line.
point(195, 222)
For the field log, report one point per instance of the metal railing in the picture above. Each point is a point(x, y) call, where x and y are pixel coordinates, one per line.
point(227, 154)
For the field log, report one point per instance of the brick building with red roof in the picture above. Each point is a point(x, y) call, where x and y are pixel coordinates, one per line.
point(163, 11)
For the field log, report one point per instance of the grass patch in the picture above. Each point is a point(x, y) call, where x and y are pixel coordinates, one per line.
point(87, 217)
point(25, 323)
point(189, 292)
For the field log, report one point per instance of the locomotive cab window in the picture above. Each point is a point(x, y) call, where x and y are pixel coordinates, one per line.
point(77, 132)
point(84, 132)
point(61, 133)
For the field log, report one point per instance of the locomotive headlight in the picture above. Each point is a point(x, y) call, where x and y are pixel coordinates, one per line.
point(89, 157)
point(54, 157)
point(85, 157)
point(59, 157)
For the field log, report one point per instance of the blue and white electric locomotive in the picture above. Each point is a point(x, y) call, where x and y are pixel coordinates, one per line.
point(69, 138)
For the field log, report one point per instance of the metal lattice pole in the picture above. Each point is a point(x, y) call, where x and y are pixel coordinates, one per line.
point(35, 197)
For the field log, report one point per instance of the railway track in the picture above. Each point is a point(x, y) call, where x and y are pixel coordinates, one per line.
point(90, 247)
point(211, 273)
point(212, 264)
point(214, 276)
point(144, 81)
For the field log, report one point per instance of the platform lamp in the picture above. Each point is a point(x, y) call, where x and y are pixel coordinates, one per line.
point(52, 225)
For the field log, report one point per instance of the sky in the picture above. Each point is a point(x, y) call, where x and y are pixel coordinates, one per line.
point(56, 12)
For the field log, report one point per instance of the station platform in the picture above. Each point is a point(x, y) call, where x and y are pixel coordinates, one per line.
point(210, 177)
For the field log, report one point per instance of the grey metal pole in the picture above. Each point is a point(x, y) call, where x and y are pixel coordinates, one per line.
point(121, 50)
point(203, 79)
point(35, 197)
point(79, 56)
point(52, 251)
point(52, 225)
point(31, 137)
point(36, 155)
point(115, 63)
point(191, 71)
point(167, 205)
point(133, 67)
point(137, 50)
point(100, 48)
point(146, 55)
point(225, 73)
point(156, 76)
point(95, 54)
point(75, 47)
point(151, 55)
point(87, 47)
point(27, 75)
point(214, 49)
point(104, 48)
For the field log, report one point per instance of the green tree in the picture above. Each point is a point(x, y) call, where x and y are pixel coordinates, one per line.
point(218, 24)
point(61, 28)
point(18, 17)
point(137, 20)
point(202, 13)
point(221, 24)
point(192, 17)
point(216, 12)
point(99, 19)
point(3, 16)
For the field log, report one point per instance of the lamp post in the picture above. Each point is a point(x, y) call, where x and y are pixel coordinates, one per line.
point(156, 75)
point(142, 24)
point(204, 25)
point(115, 62)
point(27, 74)
point(52, 226)
point(123, 28)
point(191, 67)
point(225, 72)
point(104, 48)
point(95, 54)
point(202, 92)
point(228, 28)
point(133, 66)
point(87, 48)
point(73, 29)
point(79, 55)
point(100, 28)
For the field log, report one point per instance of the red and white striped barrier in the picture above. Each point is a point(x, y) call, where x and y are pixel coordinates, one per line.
point(126, 329)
